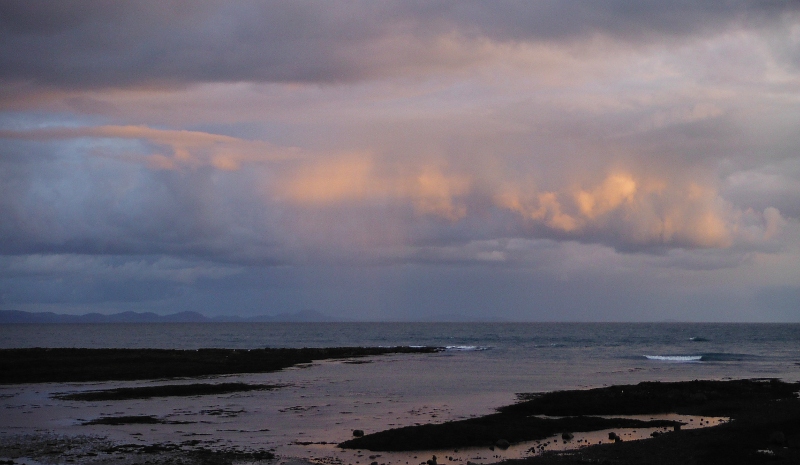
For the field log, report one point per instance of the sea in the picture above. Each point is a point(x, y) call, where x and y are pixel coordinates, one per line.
point(482, 366)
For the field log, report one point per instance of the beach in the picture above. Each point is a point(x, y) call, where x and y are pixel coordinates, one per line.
point(454, 375)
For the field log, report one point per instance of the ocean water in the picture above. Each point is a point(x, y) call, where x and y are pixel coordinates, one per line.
point(484, 366)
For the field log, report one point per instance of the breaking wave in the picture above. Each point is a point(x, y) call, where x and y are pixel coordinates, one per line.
point(675, 358)
point(709, 357)
point(466, 348)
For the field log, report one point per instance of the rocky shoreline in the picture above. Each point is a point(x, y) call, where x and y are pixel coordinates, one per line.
point(764, 426)
point(88, 450)
point(44, 365)
point(168, 390)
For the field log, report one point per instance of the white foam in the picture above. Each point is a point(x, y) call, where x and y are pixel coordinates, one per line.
point(466, 348)
point(675, 358)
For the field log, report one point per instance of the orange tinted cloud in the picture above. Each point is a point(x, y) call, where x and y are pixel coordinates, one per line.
point(613, 192)
point(184, 148)
point(623, 207)
point(632, 209)
point(356, 178)
point(645, 212)
point(543, 208)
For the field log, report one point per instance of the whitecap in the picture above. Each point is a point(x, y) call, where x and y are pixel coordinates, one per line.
point(675, 358)
point(466, 348)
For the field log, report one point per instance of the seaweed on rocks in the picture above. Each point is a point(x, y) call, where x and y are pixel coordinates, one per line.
point(749, 439)
point(168, 390)
point(49, 448)
point(131, 420)
point(710, 398)
point(192, 455)
point(487, 430)
point(43, 365)
point(764, 426)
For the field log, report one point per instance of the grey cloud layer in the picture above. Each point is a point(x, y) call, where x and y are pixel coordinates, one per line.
point(471, 156)
point(116, 44)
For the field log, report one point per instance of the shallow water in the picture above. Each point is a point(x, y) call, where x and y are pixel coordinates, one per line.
point(322, 403)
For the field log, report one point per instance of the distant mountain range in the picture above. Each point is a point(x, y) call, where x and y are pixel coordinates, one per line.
point(16, 316)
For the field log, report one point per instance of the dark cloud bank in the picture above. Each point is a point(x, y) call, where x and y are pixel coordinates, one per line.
point(90, 44)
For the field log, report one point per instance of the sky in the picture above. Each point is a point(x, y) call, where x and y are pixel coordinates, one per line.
point(608, 160)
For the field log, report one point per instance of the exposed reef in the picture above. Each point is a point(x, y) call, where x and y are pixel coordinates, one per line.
point(40, 365)
point(764, 426)
point(165, 390)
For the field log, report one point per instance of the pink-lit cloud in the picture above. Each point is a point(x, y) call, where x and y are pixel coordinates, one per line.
point(644, 149)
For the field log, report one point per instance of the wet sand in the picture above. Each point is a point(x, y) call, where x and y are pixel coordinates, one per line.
point(744, 422)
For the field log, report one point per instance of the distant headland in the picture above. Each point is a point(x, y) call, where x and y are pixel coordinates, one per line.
point(16, 316)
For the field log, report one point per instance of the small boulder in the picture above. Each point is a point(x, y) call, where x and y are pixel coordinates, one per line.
point(502, 444)
point(613, 436)
point(358, 433)
point(777, 437)
point(431, 461)
point(567, 436)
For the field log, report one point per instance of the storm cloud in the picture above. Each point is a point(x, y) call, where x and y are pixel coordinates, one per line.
point(89, 44)
point(387, 160)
